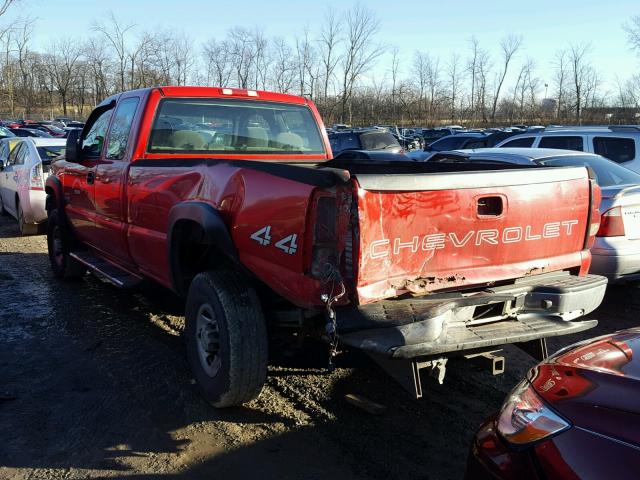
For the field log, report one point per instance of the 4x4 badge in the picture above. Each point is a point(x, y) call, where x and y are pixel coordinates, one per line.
point(262, 236)
point(292, 247)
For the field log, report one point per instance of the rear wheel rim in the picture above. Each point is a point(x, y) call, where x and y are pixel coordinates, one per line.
point(208, 340)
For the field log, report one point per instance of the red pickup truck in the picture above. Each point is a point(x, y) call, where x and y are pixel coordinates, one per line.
point(231, 198)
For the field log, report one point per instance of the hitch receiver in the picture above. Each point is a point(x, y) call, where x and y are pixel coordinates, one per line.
point(407, 371)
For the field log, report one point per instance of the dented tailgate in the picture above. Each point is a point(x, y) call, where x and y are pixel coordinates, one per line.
point(426, 232)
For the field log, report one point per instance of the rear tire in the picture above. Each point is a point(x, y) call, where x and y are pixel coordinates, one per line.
point(59, 243)
point(25, 228)
point(226, 338)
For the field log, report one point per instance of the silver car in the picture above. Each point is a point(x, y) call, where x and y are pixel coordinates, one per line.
point(24, 165)
point(616, 251)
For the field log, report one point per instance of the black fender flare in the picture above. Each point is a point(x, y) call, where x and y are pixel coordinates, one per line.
point(54, 185)
point(215, 231)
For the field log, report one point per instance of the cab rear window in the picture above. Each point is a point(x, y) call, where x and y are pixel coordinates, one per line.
point(185, 125)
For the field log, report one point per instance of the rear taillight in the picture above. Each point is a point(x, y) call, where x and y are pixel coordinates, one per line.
point(594, 215)
point(324, 255)
point(37, 180)
point(611, 223)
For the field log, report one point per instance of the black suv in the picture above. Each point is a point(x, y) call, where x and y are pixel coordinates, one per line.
point(371, 139)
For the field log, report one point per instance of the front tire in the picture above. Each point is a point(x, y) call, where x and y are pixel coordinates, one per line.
point(59, 245)
point(226, 338)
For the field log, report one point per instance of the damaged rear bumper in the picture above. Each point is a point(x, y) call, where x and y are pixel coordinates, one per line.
point(532, 308)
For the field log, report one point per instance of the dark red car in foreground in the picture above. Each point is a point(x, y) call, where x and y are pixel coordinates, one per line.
point(575, 416)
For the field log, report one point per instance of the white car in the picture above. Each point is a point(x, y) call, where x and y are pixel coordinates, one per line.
point(22, 175)
point(618, 143)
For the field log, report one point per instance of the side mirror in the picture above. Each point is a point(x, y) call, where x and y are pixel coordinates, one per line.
point(72, 150)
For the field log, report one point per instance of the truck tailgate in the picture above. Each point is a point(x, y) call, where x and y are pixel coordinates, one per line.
point(424, 232)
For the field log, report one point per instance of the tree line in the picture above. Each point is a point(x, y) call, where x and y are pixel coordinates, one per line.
point(332, 65)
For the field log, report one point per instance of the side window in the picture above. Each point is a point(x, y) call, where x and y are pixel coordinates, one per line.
point(333, 141)
point(22, 154)
point(13, 154)
point(92, 143)
point(617, 149)
point(350, 142)
point(120, 128)
point(476, 144)
point(519, 142)
point(563, 143)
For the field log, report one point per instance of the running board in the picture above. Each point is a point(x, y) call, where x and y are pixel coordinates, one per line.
point(106, 270)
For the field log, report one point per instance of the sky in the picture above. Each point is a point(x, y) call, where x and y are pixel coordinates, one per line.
point(439, 28)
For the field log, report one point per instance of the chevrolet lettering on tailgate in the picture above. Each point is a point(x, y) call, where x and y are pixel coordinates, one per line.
point(435, 241)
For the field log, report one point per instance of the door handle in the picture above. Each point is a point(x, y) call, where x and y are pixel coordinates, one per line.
point(91, 177)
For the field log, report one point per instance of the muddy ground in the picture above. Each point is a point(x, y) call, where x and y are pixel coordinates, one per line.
point(94, 384)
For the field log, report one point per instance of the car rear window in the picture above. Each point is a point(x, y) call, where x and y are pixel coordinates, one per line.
point(562, 143)
point(608, 173)
point(520, 142)
point(448, 143)
point(617, 149)
point(47, 154)
point(191, 125)
point(378, 141)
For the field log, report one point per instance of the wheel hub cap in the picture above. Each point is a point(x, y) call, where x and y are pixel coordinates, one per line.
point(208, 340)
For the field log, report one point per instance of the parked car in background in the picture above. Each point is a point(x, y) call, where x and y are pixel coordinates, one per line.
point(620, 143)
point(451, 142)
point(616, 250)
point(575, 416)
point(365, 139)
point(22, 177)
point(6, 133)
point(430, 135)
point(50, 129)
point(29, 132)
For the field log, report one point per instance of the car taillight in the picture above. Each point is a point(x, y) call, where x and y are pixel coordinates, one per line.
point(611, 223)
point(37, 182)
point(525, 418)
point(324, 254)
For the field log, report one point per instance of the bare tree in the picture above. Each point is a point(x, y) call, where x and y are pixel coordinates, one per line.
point(560, 76)
point(360, 51)
point(116, 34)
point(453, 72)
point(395, 67)
point(283, 70)
point(62, 61)
point(218, 58)
point(632, 28)
point(509, 47)
point(580, 71)
point(305, 60)
point(242, 54)
point(329, 40)
point(472, 64)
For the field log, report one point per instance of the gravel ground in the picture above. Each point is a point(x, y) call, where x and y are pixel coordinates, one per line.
point(94, 384)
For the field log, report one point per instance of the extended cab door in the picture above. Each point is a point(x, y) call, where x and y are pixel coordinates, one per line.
point(79, 178)
point(110, 183)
